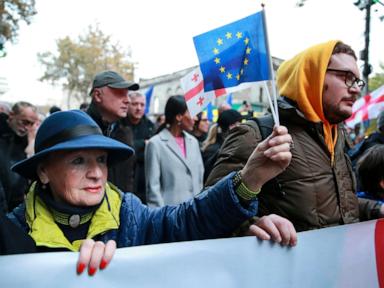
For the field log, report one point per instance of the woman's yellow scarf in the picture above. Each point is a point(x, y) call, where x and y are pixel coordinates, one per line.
point(301, 79)
point(45, 231)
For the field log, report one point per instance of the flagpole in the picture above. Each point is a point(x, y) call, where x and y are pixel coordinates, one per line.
point(272, 74)
point(270, 102)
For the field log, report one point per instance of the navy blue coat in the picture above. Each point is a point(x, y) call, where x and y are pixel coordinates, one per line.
point(214, 213)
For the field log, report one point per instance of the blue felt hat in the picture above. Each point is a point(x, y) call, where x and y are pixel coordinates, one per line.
point(70, 130)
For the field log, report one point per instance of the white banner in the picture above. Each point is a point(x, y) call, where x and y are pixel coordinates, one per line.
point(342, 256)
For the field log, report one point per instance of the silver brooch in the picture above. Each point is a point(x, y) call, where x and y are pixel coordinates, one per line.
point(74, 221)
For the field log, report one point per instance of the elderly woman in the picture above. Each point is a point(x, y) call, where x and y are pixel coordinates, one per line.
point(70, 199)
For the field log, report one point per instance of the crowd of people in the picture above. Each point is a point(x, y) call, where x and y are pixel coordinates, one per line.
point(105, 176)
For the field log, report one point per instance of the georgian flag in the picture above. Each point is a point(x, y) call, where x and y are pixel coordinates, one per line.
point(367, 107)
point(196, 98)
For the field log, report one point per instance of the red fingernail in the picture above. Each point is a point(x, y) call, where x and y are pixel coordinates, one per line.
point(103, 264)
point(91, 271)
point(80, 268)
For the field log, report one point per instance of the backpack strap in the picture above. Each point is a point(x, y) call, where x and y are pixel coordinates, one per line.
point(265, 124)
point(262, 125)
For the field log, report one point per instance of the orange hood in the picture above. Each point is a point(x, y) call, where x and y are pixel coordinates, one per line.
point(301, 79)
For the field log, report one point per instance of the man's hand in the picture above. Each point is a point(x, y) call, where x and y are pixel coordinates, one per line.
point(274, 227)
point(31, 133)
point(269, 159)
point(95, 255)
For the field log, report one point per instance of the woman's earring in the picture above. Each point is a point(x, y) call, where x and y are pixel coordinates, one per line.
point(179, 123)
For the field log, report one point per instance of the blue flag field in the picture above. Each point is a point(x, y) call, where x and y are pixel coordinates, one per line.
point(234, 53)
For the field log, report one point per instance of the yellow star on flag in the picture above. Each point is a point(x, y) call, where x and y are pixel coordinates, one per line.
point(229, 75)
point(222, 69)
point(217, 60)
point(228, 35)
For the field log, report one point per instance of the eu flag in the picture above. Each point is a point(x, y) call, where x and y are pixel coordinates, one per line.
point(234, 53)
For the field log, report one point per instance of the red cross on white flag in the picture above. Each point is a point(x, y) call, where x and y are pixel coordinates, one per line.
point(367, 107)
point(196, 98)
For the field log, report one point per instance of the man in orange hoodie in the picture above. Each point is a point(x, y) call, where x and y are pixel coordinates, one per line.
point(318, 88)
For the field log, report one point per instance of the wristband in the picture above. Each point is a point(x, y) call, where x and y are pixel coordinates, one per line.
point(243, 191)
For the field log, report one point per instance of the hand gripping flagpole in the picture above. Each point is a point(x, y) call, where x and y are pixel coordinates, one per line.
point(273, 104)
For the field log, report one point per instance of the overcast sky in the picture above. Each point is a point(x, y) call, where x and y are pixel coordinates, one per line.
point(160, 32)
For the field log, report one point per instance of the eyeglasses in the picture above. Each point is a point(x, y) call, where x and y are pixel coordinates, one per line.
point(349, 78)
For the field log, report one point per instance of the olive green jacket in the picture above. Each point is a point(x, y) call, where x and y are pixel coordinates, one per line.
point(310, 192)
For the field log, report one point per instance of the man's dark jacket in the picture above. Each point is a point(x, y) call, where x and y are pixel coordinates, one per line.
point(13, 240)
point(121, 174)
point(142, 131)
point(12, 149)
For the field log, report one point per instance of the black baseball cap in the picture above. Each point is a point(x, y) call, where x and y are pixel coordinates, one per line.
point(114, 80)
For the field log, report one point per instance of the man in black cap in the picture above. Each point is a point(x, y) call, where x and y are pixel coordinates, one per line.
point(109, 105)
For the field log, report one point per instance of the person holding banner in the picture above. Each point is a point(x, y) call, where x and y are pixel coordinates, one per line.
point(70, 196)
point(13, 240)
point(319, 87)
